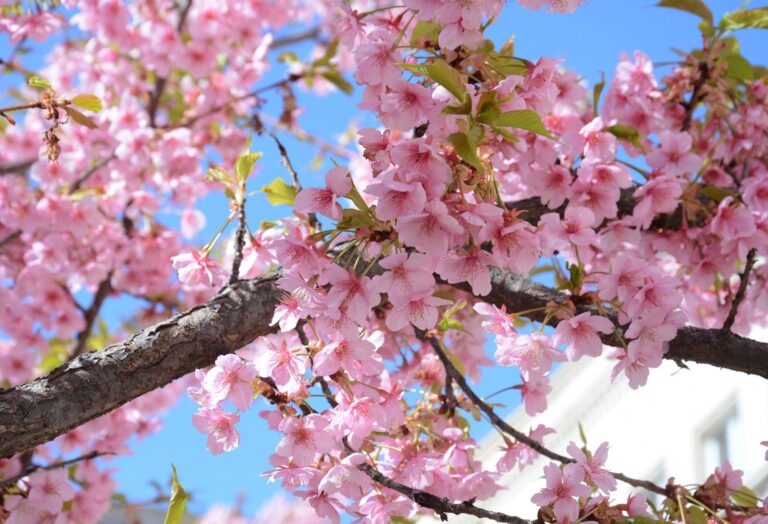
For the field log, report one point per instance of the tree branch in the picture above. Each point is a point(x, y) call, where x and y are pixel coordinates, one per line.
point(742, 291)
point(98, 382)
point(440, 505)
point(703, 346)
point(10, 481)
point(502, 424)
point(92, 313)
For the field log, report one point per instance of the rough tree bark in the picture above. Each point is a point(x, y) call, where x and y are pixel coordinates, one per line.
point(95, 383)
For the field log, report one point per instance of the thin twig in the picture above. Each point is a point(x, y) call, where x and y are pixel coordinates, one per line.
point(161, 81)
point(286, 161)
point(239, 243)
point(690, 106)
point(440, 505)
point(87, 174)
point(91, 314)
point(10, 481)
point(499, 422)
point(287, 40)
point(18, 168)
point(741, 292)
point(10, 238)
point(216, 109)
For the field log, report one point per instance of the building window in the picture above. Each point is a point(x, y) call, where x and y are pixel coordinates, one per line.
point(719, 443)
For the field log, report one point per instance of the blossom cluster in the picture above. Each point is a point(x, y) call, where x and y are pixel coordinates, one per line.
point(487, 169)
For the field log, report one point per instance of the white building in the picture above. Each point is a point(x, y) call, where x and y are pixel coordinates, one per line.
point(682, 424)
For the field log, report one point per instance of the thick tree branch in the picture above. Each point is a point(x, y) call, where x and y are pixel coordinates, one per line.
point(97, 382)
point(502, 424)
point(703, 346)
point(100, 381)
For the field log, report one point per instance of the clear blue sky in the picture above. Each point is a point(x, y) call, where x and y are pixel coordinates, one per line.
point(590, 41)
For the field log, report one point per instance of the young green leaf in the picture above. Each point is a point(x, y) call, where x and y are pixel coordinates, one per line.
point(278, 192)
point(89, 102)
point(628, 133)
point(338, 80)
point(178, 500)
point(245, 162)
point(442, 73)
point(756, 18)
point(80, 118)
point(739, 68)
point(695, 7)
point(523, 119)
point(39, 82)
point(597, 91)
point(466, 149)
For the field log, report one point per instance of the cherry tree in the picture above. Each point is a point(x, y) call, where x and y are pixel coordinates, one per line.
point(356, 326)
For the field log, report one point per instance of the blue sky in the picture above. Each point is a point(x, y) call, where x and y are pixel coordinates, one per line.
point(590, 41)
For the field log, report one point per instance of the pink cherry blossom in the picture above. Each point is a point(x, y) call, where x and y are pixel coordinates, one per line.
point(469, 266)
point(304, 438)
point(564, 487)
point(532, 352)
point(197, 269)
point(592, 465)
point(220, 428)
point(580, 334)
point(323, 201)
point(231, 378)
point(674, 157)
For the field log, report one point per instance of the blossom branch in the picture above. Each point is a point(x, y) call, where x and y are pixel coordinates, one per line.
point(10, 481)
point(105, 287)
point(97, 382)
point(286, 161)
point(741, 292)
point(703, 346)
point(440, 505)
point(239, 242)
point(499, 422)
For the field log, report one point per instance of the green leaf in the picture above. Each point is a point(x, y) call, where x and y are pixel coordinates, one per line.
point(597, 91)
point(178, 500)
point(756, 18)
point(696, 515)
point(278, 192)
point(442, 73)
point(466, 149)
point(89, 102)
point(425, 31)
point(80, 118)
point(39, 82)
point(357, 199)
point(715, 193)
point(523, 119)
point(695, 7)
point(245, 162)
point(338, 80)
point(745, 497)
point(448, 77)
point(288, 57)
point(352, 219)
point(508, 65)
point(488, 107)
point(628, 133)
point(739, 68)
